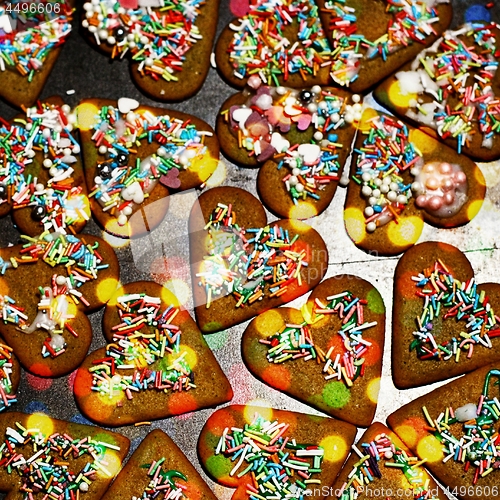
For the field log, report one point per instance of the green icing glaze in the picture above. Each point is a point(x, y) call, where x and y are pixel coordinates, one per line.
point(336, 394)
point(219, 466)
point(375, 302)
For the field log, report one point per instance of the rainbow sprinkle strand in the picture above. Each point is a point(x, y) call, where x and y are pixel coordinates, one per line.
point(296, 342)
point(158, 39)
point(48, 471)
point(469, 434)
point(7, 396)
point(242, 261)
point(34, 36)
point(368, 469)
point(439, 289)
point(457, 77)
point(47, 128)
point(385, 154)
point(134, 349)
point(411, 22)
point(272, 459)
point(260, 45)
point(162, 484)
point(120, 185)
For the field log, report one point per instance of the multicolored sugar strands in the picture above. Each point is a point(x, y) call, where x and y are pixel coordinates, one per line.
point(144, 336)
point(34, 34)
point(121, 185)
point(45, 467)
point(458, 77)
point(261, 47)
point(279, 467)
point(242, 261)
point(59, 203)
point(158, 39)
point(468, 434)
point(163, 484)
point(411, 21)
point(378, 454)
point(464, 302)
point(7, 396)
point(295, 342)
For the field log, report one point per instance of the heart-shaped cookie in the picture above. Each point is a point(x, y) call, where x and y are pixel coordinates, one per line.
point(241, 265)
point(42, 183)
point(395, 473)
point(401, 177)
point(454, 429)
point(71, 460)
point(444, 324)
point(46, 286)
point(169, 48)
point(32, 39)
point(127, 154)
point(157, 363)
point(299, 138)
point(10, 376)
point(281, 42)
point(299, 451)
point(452, 90)
point(329, 355)
point(158, 467)
point(370, 39)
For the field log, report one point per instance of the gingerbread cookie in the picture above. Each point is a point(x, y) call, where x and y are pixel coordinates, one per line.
point(401, 177)
point(30, 41)
point(454, 429)
point(241, 265)
point(42, 181)
point(135, 156)
point(327, 355)
point(452, 90)
point(10, 376)
point(301, 454)
point(282, 42)
point(370, 39)
point(168, 43)
point(444, 323)
point(299, 138)
point(158, 467)
point(46, 286)
point(381, 466)
point(156, 364)
point(43, 457)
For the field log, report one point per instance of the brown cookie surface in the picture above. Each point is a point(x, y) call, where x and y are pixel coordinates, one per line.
point(35, 301)
point(327, 441)
point(216, 309)
point(178, 368)
point(85, 459)
point(423, 349)
point(157, 450)
point(413, 159)
point(270, 348)
point(140, 206)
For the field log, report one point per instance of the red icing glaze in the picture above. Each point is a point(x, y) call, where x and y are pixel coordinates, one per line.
point(373, 353)
point(219, 421)
point(277, 376)
point(38, 383)
point(182, 402)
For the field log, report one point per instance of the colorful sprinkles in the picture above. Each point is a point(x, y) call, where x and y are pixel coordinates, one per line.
point(440, 290)
point(457, 77)
point(7, 396)
point(121, 184)
point(261, 42)
point(468, 434)
point(243, 261)
point(411, 22)
point(158, 38)
point(379, 452)
point(163, 484)
point(144, 336)
point(47, 470)
point(47, 128)
point(34, 34)
point(279, 467)
point(294, 342)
